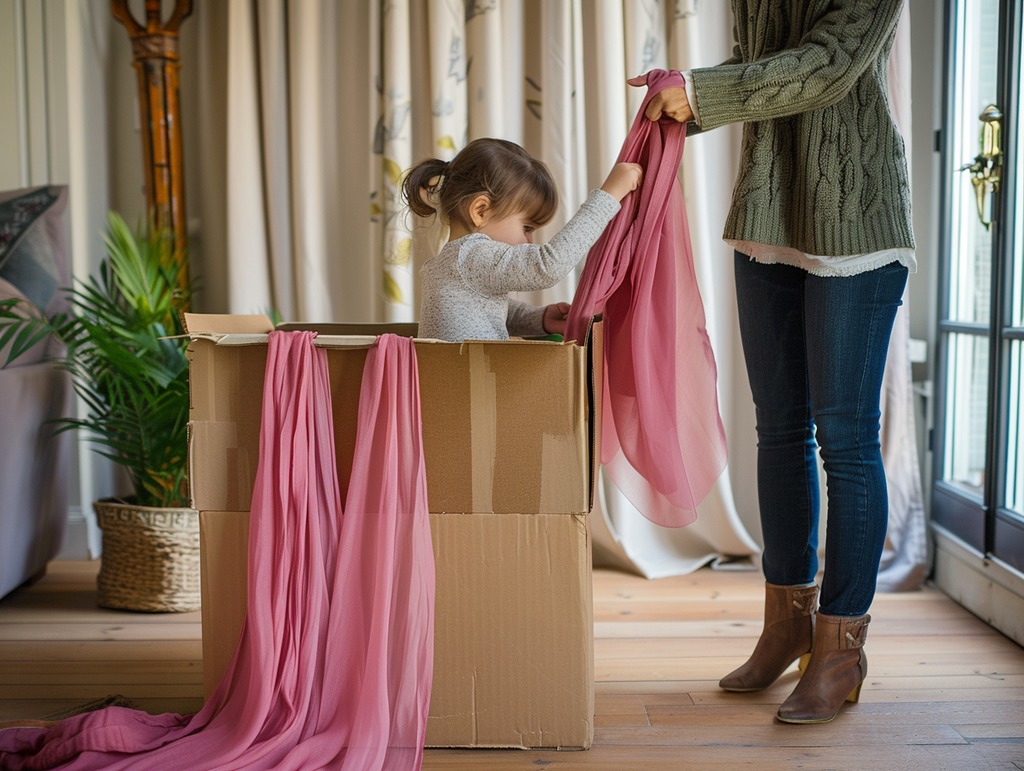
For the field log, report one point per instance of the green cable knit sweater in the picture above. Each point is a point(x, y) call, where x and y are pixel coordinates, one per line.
point(823, 168)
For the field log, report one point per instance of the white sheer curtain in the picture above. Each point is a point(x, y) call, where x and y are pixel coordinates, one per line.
point(311, 111)
point(905, 561)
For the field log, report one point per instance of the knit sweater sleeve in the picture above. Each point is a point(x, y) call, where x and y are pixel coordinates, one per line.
point(819, 71)
point(694, 127)
point(494, 268)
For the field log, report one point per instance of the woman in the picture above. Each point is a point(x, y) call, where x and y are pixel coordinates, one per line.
point(820, 221)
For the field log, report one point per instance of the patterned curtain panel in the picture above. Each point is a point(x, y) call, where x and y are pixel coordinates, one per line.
point(392, 145)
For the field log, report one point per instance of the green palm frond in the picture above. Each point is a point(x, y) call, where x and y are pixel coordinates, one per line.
point(126, 358)
point(24, 334)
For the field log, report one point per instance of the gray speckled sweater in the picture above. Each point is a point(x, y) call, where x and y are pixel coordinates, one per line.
point(465, 287)
point(823, 168)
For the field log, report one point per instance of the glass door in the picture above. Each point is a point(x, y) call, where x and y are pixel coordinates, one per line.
point(978, 493)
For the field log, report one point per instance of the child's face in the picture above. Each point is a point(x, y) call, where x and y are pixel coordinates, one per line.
point(511, 229)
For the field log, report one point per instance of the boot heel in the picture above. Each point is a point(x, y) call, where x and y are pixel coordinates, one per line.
point(854, 696)
point(804, 661)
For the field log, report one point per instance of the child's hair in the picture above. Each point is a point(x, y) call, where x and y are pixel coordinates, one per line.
point(513, 180)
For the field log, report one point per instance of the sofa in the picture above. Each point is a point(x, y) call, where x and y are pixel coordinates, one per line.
point(35, 461)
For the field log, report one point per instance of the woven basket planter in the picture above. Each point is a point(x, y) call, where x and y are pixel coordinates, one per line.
point(150, 558)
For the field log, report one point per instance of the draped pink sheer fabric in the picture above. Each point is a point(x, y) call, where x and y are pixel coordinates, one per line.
point(334, 665)
point(663, 443)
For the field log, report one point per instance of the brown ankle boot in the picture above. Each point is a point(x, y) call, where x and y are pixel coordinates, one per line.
point(836, 671)
point(787, 635)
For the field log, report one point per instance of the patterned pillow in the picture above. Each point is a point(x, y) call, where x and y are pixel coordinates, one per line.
point(33, 243)
point(33, 254)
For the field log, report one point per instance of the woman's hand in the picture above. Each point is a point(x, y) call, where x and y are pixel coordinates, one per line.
point(671, 101)
point(624, 178)
point(554, 318)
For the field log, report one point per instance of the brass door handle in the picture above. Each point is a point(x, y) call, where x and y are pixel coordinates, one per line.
point(986, 168)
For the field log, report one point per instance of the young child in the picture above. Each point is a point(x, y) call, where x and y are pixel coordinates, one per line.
point(493, 195)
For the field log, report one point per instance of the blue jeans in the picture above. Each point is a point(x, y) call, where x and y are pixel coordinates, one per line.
point(815, 350)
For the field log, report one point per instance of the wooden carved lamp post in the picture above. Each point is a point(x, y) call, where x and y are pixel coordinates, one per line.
point(155, 54)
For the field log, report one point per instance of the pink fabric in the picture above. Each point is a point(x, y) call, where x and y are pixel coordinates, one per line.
point(663, 443)
point(334, 665)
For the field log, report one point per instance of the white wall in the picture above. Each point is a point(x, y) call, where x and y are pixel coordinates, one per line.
point(55, 99)
point(926, 89)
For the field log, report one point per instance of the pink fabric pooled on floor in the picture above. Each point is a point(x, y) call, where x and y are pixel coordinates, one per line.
point(663, 443)
point(334, 665)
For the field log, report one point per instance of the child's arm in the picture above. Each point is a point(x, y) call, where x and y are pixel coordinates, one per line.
point(528, 320)
point(525, 320)
point(493, 268)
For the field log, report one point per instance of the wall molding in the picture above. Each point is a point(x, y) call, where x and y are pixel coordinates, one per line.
point(987, 587)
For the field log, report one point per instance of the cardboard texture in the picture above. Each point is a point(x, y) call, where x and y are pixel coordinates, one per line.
point(508, 431)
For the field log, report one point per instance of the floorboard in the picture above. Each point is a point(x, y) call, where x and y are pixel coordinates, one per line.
point(944, 690)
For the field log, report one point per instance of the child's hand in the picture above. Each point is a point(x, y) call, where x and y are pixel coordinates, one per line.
point(554, 318)
point(624, 178)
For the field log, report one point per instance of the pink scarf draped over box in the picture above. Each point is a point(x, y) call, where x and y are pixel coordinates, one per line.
point(663, 443)
point(334, 665)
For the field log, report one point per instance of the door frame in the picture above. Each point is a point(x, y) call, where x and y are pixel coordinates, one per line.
point(965, 568)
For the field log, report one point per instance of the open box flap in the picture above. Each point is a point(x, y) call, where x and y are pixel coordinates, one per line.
point(218, 325)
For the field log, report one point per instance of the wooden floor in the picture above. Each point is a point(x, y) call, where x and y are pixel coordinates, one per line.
point(944, 690)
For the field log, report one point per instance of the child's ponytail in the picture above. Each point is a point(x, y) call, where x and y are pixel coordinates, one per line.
point(422, 184)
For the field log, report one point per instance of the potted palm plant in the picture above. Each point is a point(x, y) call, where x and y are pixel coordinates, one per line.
point(125, 351)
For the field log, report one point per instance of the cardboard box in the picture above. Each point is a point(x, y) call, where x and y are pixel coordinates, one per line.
point(508, 434)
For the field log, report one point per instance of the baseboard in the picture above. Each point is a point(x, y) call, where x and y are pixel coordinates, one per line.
point(987, 587)
point(81, 537)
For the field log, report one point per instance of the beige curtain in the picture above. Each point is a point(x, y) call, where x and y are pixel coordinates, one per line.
point(905, 560)
point(311, 110)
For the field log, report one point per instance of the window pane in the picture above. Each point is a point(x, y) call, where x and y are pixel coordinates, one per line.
point(966, 411)
point(1014, 498)
point(976, 73)
point(1017, 239)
